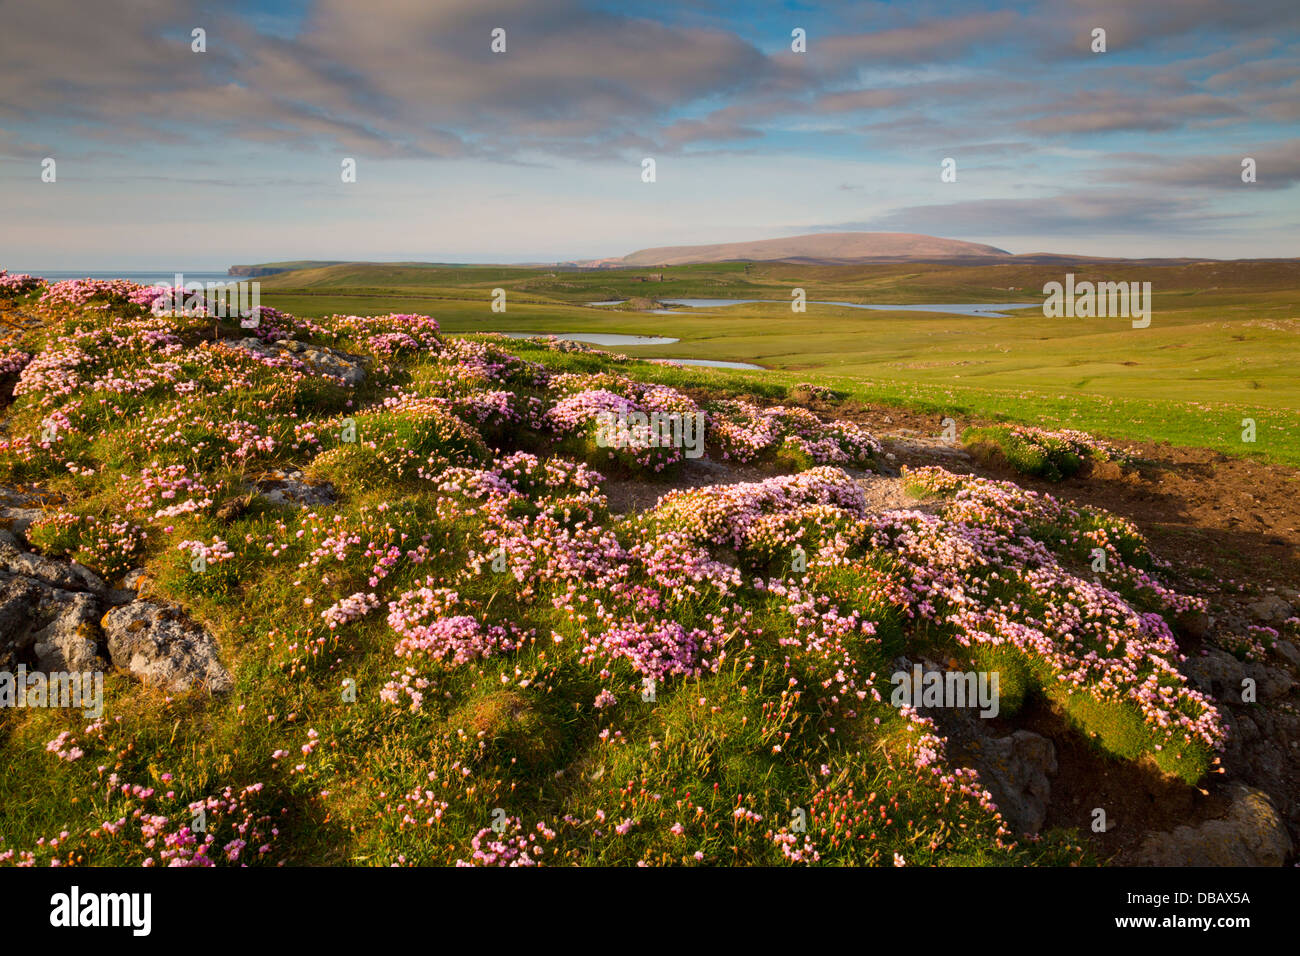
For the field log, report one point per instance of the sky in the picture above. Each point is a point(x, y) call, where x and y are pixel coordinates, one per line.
point(166, 157)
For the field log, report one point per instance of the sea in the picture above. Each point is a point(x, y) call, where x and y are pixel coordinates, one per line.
point(143, 278)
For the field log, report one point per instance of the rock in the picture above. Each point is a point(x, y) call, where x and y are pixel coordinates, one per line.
point(1273, 682)
point(324, 361)
point(1290, 595)
point(18, 519)
point(1016, 769)
point(1252, 834)
point(70, 641)
point(1288, 651)
point(158, 644)
point(133, 579)
point(1217, 673)
point(1220, 674)
point(57, 626)
point(20, 599)
point(291, 493)
point(68, 575)
point(1270, 609)
point(17, 511)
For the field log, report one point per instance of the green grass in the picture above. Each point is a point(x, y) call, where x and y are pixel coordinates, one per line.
point(1219, 350)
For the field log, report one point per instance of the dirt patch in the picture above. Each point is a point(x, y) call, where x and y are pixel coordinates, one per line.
point(1200, 509)
point(1137, 799)
point(634, 495)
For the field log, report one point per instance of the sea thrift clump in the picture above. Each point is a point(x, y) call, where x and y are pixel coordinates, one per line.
point(108, 546)
point(796, 436)
point(1037, 451)
point(12, 286)
point(508, 845)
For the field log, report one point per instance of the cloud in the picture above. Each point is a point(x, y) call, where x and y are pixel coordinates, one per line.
point(924, 41)
point(1064, 214)
point(387, 77)
point(1066, 25)
point(1104, 111)
point(1277, 167)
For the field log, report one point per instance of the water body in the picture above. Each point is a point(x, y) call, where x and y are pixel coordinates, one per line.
point(994, 309)
point(708, 363)
point(613, 338)
point(597, 338)
point(143, 278)
point(977, 308)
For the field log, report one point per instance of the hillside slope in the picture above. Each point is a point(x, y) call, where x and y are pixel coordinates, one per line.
point(824, 246)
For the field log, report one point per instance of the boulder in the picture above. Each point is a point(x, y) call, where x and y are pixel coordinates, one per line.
point(1220, 674)
point(1016, 770)
point(56, 627)
point(1252, 834)
point(288, 490)
point(70, 641)
point(17, 511)
point(1287, 650)
point(350, 369)
point(68, 575)
point(1270, 609)
point(158, 644)
point(20, 598)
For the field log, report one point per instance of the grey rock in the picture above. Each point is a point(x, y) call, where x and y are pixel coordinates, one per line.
point(1016, 770)
point(321, 360)
point(1290, 595)
point(20, 601)
point(158, 644)
point(1217, 673)
point(1270, 609)
point(1288, 651)
point(1252, 834)
point(18, 519)
point(67, 575)
point(292, 493)
point(1220, 674)
point(70, 641)
point(1273, 682)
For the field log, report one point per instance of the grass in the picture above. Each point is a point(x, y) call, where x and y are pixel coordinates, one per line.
point(317, 751)
point(1218, 351)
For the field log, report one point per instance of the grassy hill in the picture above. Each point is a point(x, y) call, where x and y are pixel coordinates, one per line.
point(456, 624)
point(1218, 350)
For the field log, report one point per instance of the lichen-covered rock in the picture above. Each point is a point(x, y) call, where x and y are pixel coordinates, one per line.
point(70, 642)
point(19, 599)
point(324, 361)
point(288, 490)
point(53, 628)
point(68, 575)
point(18, 511)
point(158, 644)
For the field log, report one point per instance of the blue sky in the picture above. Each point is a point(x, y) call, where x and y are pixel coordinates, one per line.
point(166, 157)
